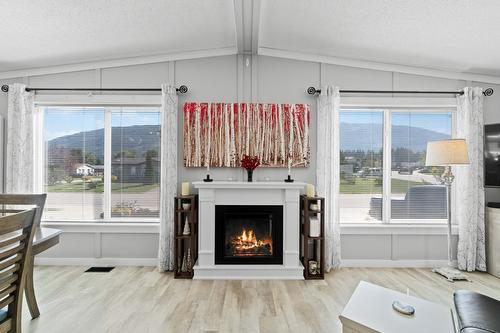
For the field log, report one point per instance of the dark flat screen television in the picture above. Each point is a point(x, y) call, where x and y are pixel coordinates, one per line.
point(492, 155)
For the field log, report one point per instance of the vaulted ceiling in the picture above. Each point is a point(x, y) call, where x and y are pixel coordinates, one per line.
point(459, 36)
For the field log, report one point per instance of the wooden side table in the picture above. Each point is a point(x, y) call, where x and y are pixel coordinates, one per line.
point(186, 245)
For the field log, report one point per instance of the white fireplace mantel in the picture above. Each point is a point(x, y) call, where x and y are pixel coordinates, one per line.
point(245, 193)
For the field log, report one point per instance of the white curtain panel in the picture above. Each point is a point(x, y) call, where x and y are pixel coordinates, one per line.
point(327, 169)
point(469, 211)
point(169, 109)
point(20, 155)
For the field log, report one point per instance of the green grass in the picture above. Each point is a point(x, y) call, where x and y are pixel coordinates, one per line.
point(115, 187)
point(370, 186)
point(133, 187)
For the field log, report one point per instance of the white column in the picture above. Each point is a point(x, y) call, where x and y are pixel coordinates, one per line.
point(291, 228)
point(206, 227)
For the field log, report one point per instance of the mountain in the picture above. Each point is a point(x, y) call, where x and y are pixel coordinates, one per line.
point(130, 138)
point(354, 136)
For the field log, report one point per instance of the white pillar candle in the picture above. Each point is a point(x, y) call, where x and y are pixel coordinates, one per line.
point(314, 227)
point(185, 188)
point(208, 169)
point(289, 167)
point(310, 190)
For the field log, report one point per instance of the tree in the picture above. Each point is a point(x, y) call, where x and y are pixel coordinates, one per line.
point(149, 172)
point(125, 153)
point(54, 174)
point(90, 158)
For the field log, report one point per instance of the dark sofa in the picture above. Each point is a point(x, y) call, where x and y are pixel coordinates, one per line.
point(477, 313)
point(420, 202)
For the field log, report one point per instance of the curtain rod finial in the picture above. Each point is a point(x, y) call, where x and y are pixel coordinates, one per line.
point(488, 92)
point(313, 91)
point(182, 89)
point(5, 88)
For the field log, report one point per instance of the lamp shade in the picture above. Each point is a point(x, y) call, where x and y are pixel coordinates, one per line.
point(446, 152)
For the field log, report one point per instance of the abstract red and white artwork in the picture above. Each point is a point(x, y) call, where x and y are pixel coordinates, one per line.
point(219, 134)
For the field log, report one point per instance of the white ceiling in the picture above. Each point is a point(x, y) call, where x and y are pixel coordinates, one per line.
point(56, 32)
point(458, 35)
point(453, 35)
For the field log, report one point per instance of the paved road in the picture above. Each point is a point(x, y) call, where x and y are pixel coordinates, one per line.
point(415, 177)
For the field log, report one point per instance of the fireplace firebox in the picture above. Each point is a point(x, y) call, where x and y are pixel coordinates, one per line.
point(248, 234)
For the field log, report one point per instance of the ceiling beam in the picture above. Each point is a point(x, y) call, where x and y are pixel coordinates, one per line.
point(238, 20)
point(256, 26)
point(247, 24)
point(280, 53)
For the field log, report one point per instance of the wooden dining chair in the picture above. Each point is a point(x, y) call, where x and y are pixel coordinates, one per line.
point(16, 240)
point(26, 200)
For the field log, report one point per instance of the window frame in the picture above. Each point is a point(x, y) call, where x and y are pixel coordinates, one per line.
point(110, 103)
point(390, 105)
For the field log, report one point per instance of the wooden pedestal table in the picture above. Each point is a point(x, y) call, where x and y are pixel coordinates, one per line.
point(44, 239)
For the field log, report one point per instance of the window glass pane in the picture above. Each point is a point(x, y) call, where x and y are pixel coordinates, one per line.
point(74, 163)
point(361, 158)
point(416, 190)
point(135, 163)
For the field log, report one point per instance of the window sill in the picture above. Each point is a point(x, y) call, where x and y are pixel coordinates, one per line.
point(396, 229)
point(104, 227)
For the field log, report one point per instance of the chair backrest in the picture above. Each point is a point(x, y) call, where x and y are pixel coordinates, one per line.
point(37, 200)
point(427, 201)
point(16, 240)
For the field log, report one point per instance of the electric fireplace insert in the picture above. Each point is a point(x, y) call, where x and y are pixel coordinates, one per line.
point(248, 234)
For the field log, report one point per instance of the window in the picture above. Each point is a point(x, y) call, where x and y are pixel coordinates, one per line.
point(361, 165)
point(383, 177)
point(416, 190)
point(101, 163)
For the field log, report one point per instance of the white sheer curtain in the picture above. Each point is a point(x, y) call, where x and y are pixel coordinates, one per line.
point(169, 102)
point(327, 169)
point(20, 154)
point(469, 213)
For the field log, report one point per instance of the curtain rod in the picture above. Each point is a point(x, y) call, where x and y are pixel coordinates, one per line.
point(182, 89)
point(314, 91)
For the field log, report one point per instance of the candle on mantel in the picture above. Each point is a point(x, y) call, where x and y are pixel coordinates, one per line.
point(208, 168)
point(289, 167)
point(310, 190)
point(185, 188)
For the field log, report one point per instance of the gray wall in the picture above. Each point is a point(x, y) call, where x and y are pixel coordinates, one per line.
point(266, 79)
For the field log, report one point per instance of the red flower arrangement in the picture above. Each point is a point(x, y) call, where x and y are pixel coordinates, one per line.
point(250, 162)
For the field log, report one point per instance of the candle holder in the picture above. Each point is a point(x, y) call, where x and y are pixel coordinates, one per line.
point(289, 179)
point(208, 179)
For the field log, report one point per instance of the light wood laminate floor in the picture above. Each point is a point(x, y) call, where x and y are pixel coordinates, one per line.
point(140, 299)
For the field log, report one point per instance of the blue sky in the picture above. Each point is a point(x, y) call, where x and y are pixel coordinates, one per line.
point(66, 121)
point(438, 122)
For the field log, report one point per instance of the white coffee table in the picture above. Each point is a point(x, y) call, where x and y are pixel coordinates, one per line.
point(370, 310)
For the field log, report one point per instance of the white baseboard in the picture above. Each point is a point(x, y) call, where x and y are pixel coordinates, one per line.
point(96, 261)
point(394, 263)
point(372, 263)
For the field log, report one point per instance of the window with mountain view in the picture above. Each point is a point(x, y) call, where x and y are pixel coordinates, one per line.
point(135, 164)
point(74, 145)
point(361, 165)
point(86, 181)
point(414, 192)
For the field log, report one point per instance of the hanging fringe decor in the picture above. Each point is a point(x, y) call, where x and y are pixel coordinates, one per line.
point(219, 134)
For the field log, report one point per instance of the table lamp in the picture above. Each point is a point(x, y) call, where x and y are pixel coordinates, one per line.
point(447, 153)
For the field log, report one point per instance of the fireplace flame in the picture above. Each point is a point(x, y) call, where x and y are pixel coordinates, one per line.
point(247, 244)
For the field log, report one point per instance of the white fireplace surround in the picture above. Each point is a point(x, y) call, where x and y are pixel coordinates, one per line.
point(244, 193)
